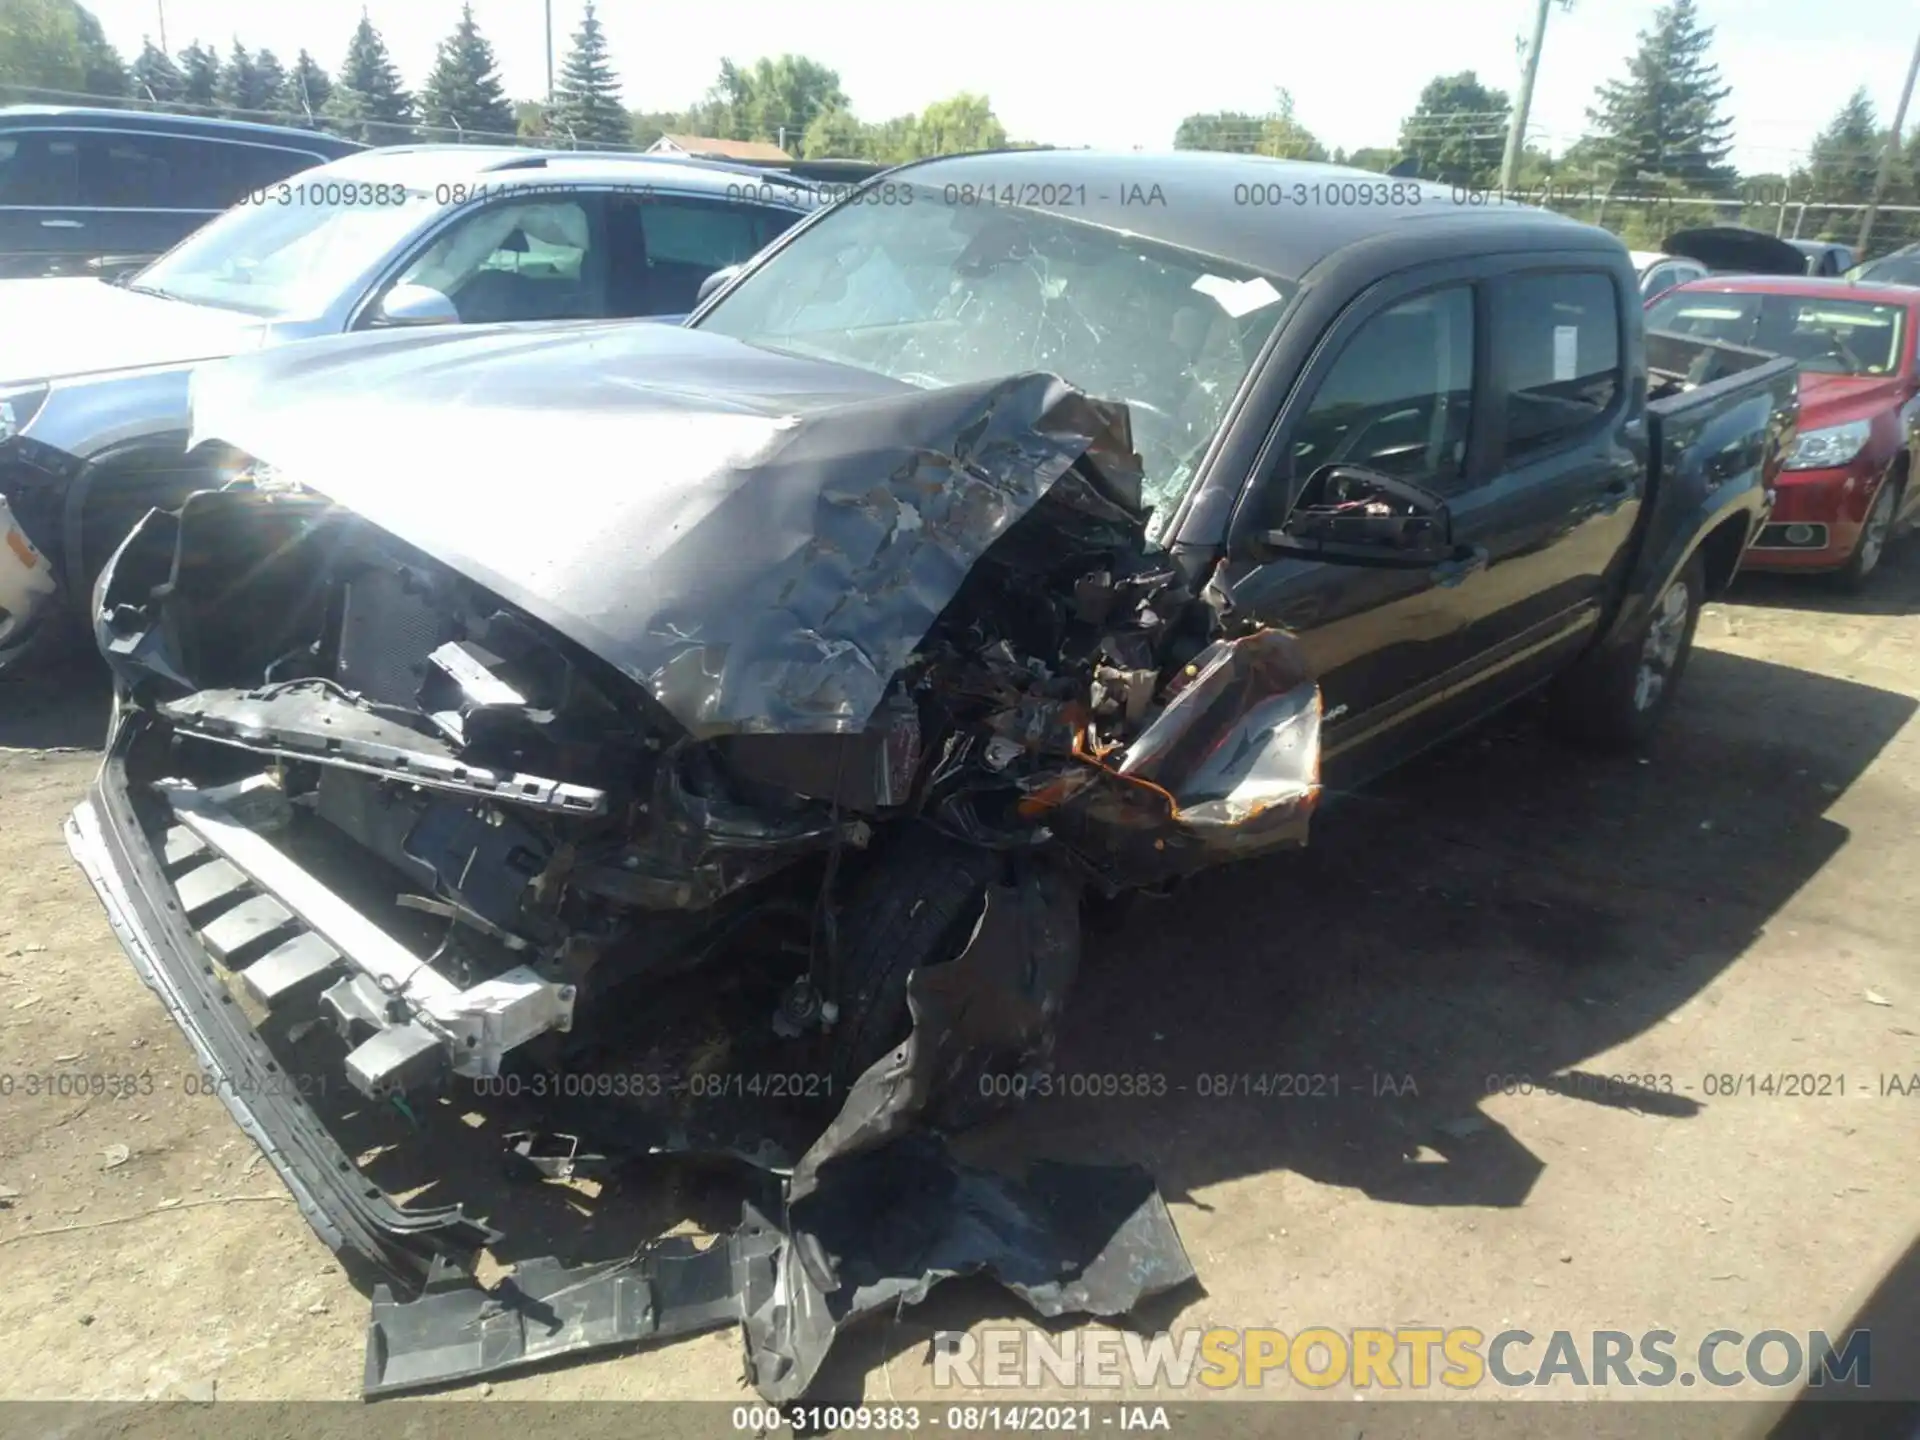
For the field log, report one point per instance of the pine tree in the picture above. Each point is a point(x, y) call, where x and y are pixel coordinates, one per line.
point(200, 65)
point(239, 91)
point(368, 99)
point(306, 91)
point(156, 77)
point(273, 80)
point(1846, 155)
point(1664, 119)
point(464, 94)
point(587, 106)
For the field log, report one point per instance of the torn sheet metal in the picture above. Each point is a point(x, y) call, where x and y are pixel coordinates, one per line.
point(881, 1230)
point(990, 1009)
point(759, 540)
point(1229, 768)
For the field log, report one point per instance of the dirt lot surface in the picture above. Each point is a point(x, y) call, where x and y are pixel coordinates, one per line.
point(1741, 902)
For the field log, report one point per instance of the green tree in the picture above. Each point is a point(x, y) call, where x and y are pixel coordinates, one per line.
point(725, 112)
point(273, 82)
point(200, 65)
point(1458, 129)
point(306, 90)
point(1235, 131)
point(1846, 154)
point(58, 45)
point(1664, 119)
point(649, 125)
point(240, 91)
point(958, 124)
point(464, 93)
point(837, 134)
point(1278, 132)
point(587, 108)
point(368, 101)
point(786, 95)
point(155, 76)
point(530, 119)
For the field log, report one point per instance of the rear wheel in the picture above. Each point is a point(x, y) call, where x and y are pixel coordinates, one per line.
point(1616, 699)
point(1874, 536)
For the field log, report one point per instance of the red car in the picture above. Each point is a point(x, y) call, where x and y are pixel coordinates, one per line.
point(1844, 490)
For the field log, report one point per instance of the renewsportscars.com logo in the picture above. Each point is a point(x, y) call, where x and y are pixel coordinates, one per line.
point(1401, 1358)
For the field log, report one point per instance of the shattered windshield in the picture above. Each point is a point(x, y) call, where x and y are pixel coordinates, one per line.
point(934, 294)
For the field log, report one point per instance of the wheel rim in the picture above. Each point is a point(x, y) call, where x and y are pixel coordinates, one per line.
point(1873, 539)
point(1666, 634)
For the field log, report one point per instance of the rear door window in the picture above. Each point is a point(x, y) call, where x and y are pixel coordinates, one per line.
point(663, 246)
point(39, 168)
point(120, 171)
point(1557, 340)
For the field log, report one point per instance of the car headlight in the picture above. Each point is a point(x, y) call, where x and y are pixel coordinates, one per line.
point(1823, 449)
point(18, 405)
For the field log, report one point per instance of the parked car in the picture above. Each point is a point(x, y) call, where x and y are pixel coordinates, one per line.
point(98, 192)
point(1739, 250)
point(1659, 272)
point(1845, 489)
point(93, 379)
point(1896, 267)
point(1024, 526)
point(1825, 257)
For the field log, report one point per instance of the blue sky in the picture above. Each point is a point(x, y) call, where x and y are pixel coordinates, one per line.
point(1074, 72)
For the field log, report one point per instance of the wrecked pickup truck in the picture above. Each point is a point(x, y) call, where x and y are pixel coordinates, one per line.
point(546, 708)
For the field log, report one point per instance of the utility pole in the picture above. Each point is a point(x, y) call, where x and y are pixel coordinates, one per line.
point(549, 54)
point(1517, 122)
point(1886, 156)
point(162, 4)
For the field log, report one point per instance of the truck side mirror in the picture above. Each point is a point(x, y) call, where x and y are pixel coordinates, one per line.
point(1364, 517)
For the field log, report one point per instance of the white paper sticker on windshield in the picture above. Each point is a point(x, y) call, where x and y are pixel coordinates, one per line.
point(1238, 297)
point(1566, 351)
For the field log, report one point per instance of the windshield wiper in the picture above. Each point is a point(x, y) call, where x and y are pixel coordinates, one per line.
point(128, 284)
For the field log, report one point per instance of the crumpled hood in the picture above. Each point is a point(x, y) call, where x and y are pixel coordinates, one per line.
point(758, 539)
point(58, 328)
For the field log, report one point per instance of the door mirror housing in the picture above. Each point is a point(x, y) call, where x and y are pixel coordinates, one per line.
point(723, 276)
point(1348, 514)
point(415, 305)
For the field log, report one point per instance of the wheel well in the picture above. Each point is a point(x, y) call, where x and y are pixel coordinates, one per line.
point(117, 490)
point(1721, 552)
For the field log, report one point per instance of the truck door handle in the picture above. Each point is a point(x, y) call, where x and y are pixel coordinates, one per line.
point(1467, 560)
point(61, 225)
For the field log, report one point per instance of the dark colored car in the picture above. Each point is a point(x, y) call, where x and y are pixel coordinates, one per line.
point(1825, 257)
point(1845, 489)
point(762, 697)
point(95, 191)
point(1896, 267)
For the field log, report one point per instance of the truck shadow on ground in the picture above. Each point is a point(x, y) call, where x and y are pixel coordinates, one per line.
point(1894, 589)
point(58, 705)
point(1506, 907)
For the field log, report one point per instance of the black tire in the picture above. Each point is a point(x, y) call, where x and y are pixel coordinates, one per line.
point(916, 905)
point(1605, 699)
point(1875, 536)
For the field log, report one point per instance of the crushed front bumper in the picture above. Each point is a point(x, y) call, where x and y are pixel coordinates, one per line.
point(358, 1221)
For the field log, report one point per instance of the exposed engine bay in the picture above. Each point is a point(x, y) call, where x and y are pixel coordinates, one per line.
point(814, 788)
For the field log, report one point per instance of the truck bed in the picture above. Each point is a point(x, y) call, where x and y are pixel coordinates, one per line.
point(1678, 364)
